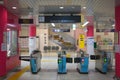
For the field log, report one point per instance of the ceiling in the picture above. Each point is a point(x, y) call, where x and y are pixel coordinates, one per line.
point(96, 7)
point(102, 9)
point(93, 7)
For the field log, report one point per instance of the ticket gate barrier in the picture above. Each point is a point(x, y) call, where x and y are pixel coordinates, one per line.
point(62, 62)
point(35, 61)
point(101, 62)
point(82, 65)
point(62, 65)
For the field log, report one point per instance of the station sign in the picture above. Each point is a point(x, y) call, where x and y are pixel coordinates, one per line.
point(61, 30)
point(25, 21)
point(59, 19)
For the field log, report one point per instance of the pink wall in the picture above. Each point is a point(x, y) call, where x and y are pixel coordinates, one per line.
point(6, 63)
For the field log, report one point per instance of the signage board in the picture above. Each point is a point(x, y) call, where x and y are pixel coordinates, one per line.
point(59, 19)
point(25, 21)
point(81, 41)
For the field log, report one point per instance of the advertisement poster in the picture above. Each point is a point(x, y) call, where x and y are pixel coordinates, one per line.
point(82, 41)
point(90, 45)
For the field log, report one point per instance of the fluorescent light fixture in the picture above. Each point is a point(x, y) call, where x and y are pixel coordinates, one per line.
point(57, 30)
point(14, 7)
point(8, 29)
point(113, 25)
point(11, 25)
point(74, 26)
point(53, 24)
point(84, 7)
point(85, 23)
point(61, 7)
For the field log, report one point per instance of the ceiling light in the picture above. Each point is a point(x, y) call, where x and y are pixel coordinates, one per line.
point(85, 23)
point(11, 25)
point(61, 7)
point(84, 7)
point(113, 25)
point(8, 29)
point(14, 7)
point(53, 24)
point(74, 26)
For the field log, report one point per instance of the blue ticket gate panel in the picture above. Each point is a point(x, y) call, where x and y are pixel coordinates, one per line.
point(101, 61)
point(62, 65)
point(105, 65)
point(82, 65)
point(35, 61)
point(33, 64)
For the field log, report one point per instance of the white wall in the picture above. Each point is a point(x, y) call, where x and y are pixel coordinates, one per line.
point(43, 35)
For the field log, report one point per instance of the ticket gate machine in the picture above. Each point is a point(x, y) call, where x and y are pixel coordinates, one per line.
point(83, 65)
point(62, 62)
point(83, 62)
point(35, 61)
point(101, 61)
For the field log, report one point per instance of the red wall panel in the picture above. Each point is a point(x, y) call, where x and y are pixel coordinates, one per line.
point(90, 32)
point(117, 18)
point(32, 30)
point(90, 26)
point(6, 63)
point(3, 21)
point(13, 61)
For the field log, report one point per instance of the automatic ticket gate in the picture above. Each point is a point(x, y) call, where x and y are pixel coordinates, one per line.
point(62, 60)
point(82, 61)
point(101, 61)
point(82, 65)
point(35, 61)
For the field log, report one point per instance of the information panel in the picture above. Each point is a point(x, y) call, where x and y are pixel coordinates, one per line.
point(59, 19)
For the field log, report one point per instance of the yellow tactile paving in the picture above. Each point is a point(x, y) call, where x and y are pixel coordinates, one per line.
point(18, 74)
point(48, 60)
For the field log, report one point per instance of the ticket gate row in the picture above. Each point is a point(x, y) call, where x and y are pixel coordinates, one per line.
point(82, 62)
point(101, 62)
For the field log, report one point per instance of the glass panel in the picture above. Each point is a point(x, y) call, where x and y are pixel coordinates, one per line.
point(11, 43)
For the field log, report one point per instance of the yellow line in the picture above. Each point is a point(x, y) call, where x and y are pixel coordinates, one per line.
point(48, 60)
point(18, 74)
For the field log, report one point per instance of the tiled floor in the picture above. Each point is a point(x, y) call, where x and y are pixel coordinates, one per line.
point(49, 72)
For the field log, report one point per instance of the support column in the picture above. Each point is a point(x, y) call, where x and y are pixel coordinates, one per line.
point(90, 27)
point(117, 45)
point(90, 35)
point(32, 38)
